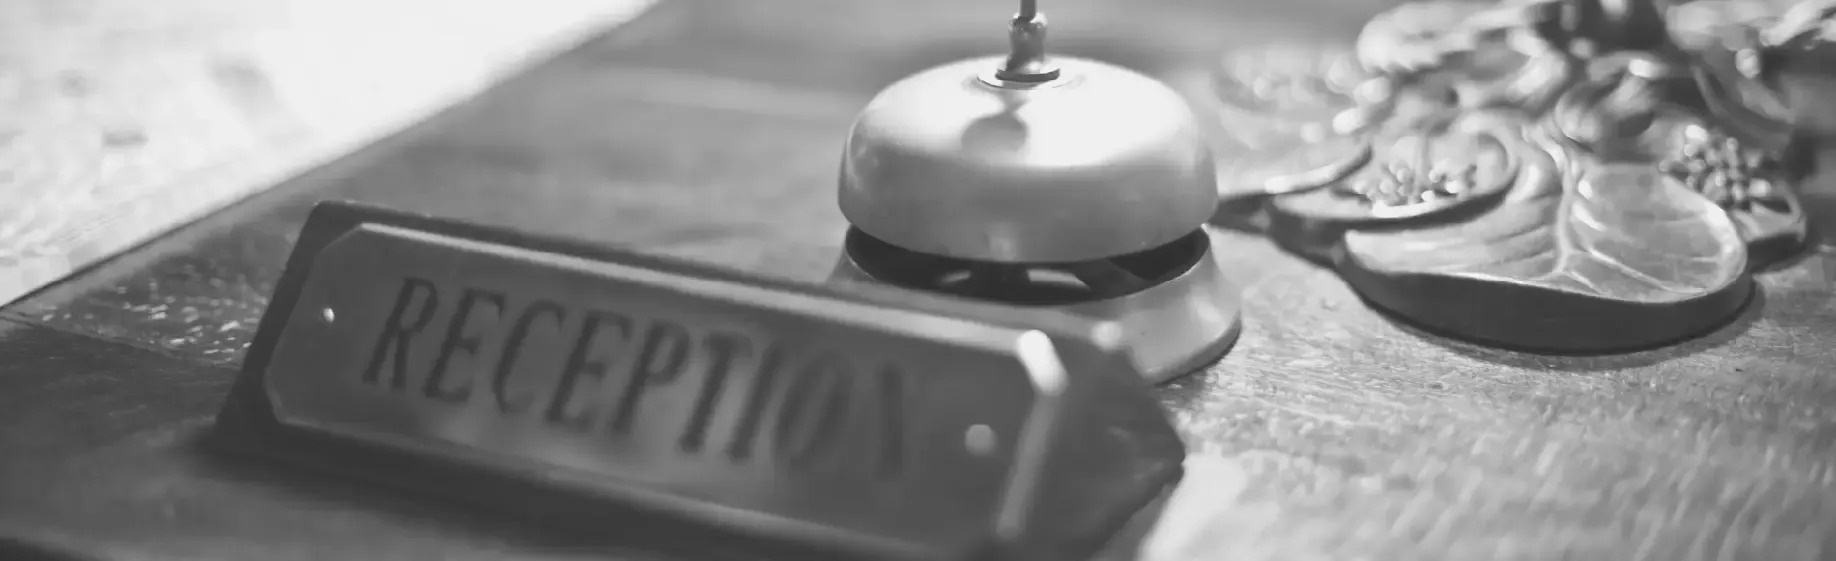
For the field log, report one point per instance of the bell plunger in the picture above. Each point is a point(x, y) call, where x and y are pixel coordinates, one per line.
point(1037, 180)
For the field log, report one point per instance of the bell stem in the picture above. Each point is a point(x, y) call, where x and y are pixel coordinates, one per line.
point(1026, 62)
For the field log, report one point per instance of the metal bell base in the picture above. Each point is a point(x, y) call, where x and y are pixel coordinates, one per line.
point(1176, 310)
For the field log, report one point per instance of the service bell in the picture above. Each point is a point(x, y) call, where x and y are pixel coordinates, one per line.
point(1038, 181)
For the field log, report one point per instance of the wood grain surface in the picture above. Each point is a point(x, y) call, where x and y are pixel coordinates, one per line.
point(120, 120)
point(711, 130)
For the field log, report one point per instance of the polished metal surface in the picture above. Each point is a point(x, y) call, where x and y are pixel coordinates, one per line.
point(1174, 317)
point(864, 429)
point(1553, 175)
point(1026, 37)
point(1039, 181)
point(1098, 162)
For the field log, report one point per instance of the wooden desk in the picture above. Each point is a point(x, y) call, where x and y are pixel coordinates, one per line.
point(711, 129)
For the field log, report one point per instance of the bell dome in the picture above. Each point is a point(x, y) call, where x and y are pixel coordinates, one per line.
point(1083, 161)
point(1032, 181)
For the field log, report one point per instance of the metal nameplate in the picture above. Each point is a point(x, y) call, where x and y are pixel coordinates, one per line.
point(877, 430)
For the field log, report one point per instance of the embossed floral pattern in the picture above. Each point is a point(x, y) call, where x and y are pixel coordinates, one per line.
point(1719, 167)
point(1561, 178)
point(1398, 185)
